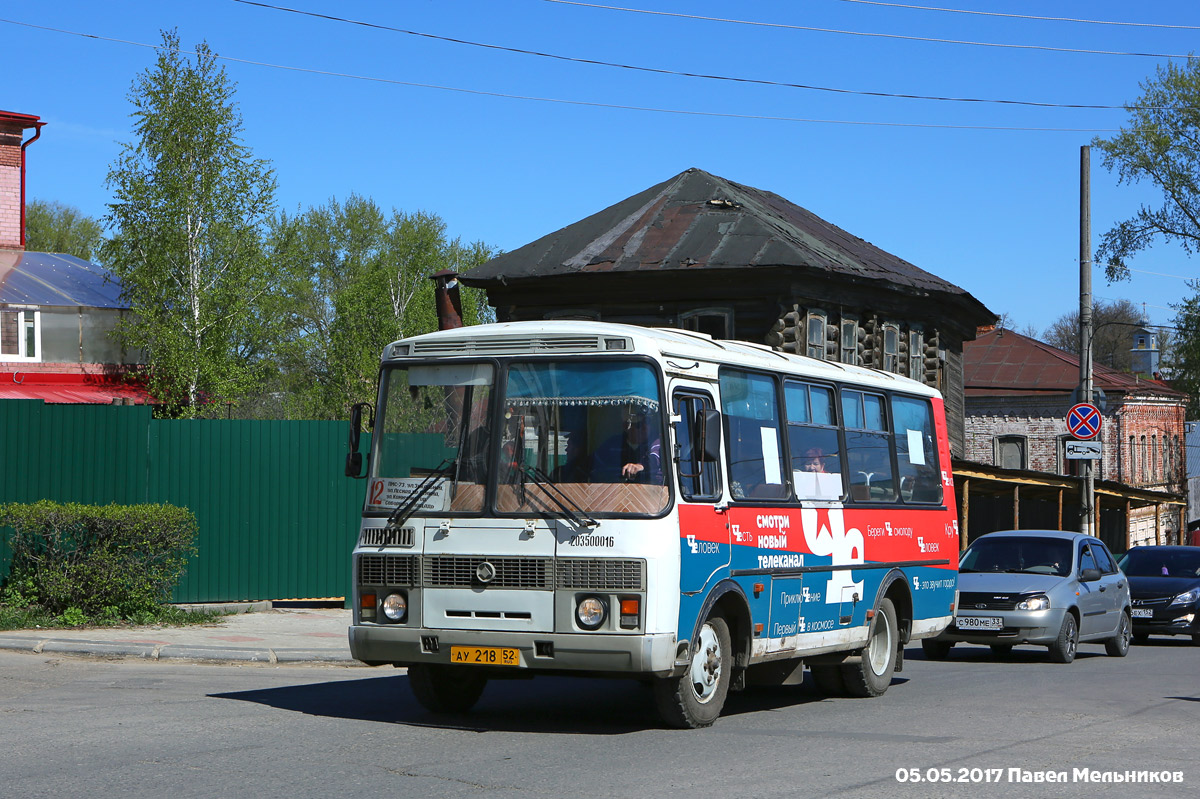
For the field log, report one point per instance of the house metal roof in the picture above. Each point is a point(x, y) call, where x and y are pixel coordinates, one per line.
point(1003, 362)
point(43, 278)
point(699, 221)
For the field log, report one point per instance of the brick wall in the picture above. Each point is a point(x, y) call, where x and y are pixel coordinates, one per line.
point(10, 186)
point(1042, 423)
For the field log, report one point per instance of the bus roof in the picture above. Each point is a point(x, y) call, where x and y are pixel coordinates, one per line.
point(572, 337)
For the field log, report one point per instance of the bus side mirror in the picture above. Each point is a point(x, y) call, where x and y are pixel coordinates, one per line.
point(354, 458)
point(708, 431)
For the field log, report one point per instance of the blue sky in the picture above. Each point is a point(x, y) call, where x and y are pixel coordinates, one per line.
point(985, 195)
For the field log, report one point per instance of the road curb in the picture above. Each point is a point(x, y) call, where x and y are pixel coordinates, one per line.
point(174, 652)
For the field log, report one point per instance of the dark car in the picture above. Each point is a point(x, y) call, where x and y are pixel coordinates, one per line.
point(1164, 583)
point(1048, 588)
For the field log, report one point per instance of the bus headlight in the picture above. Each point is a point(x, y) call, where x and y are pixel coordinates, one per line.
point(591, 612)
point(395, 607)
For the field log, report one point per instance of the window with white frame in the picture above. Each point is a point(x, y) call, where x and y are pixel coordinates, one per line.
point(916, 355)
point(849, 340)
point(816, 335)
point(21, 335)
point(1011, 452)
point(891, 348)
point(716, 322)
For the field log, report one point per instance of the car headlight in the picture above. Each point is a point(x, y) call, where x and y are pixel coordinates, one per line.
point(1039, 602)
point(591, 612)
point(1187, 597)
point(395, 607)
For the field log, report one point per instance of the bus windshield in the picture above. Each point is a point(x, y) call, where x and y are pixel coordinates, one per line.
point(569, 437)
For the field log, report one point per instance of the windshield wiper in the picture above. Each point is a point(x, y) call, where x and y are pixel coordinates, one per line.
point(404, 512)
point(568, 506)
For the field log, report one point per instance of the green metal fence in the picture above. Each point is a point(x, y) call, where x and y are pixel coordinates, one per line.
point(277, 517)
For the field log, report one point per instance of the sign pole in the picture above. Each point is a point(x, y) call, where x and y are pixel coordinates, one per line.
point(1087, 499)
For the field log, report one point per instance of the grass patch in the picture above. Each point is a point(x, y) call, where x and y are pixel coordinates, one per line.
point(35, 616)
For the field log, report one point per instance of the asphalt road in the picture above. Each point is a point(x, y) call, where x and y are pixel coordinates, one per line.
point(78, 727)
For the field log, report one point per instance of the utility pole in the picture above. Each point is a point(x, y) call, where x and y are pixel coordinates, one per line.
point(1087, 499)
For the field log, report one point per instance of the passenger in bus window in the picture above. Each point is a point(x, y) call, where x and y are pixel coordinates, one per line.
point(633, 455)
point(814, 460)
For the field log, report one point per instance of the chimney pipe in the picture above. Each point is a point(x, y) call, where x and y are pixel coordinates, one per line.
point(447, 300)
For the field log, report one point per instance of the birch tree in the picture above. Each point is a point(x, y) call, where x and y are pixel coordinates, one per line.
point(190, 203)
point(356, 279)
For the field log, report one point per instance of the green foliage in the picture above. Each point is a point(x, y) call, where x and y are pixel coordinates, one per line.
point(190, 203)
point(1113, 324)
point(53, 227)
point(1158, 145)
point(112, 561)
point(356, 279)
point(1183, 360)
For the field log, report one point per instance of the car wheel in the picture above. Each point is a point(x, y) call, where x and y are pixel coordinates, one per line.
point(1002, 650)
point(1063, 648)
point(1196, 640)
point(445, 689)
point(1118, 645)
point(695, 699)
point(936, 650)
point(872, 673)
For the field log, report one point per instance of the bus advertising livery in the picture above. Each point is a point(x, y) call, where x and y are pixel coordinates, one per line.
point(605, 500)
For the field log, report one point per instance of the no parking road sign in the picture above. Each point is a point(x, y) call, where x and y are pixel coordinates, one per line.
point(1084, 421)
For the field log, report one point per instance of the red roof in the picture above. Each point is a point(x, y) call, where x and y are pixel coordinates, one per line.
point(1002, 362)
point(69, 389)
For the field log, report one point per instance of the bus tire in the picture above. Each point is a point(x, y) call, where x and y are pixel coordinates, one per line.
point(445, 689)
point(695, 699)
point(871, 674)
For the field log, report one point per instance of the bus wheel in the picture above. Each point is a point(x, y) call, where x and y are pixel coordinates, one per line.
point(695, 698)
point(445, 689)
point(872, 673)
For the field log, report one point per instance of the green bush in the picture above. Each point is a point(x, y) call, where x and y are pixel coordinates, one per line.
point(80, 561)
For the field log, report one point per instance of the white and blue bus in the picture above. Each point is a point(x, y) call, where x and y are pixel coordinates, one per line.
point(596, 499)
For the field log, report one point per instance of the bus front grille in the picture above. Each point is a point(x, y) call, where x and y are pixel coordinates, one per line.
point(462, 571)
point(602, 574)
point(388, 569)
point(540, 574)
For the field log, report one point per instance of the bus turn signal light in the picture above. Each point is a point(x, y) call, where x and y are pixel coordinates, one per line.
point(630, 612)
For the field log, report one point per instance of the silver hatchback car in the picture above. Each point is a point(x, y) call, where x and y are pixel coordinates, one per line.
point(1044, 587)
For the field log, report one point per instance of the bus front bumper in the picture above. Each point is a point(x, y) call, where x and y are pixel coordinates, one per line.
point(377, 644)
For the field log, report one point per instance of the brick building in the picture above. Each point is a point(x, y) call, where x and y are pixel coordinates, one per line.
point(57, 312)
point(1017, 394)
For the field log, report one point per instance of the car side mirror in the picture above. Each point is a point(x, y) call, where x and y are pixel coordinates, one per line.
point(1089, 575)
point(708, 431)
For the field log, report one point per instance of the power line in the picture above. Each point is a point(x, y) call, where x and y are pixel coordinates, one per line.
point(1026, 16)
point(584, 103)
point(868, 34)
point(677, 73)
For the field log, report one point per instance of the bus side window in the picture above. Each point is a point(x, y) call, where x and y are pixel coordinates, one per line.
point(916, 450)
point(754, 446)
point(698, 479)
point(868, 447)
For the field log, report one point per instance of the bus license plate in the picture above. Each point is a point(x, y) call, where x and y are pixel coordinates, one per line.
point(1143, 613)
point(484, 655)
point(979, 623)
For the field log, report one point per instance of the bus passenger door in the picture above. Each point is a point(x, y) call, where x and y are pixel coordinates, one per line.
point(703, 521)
